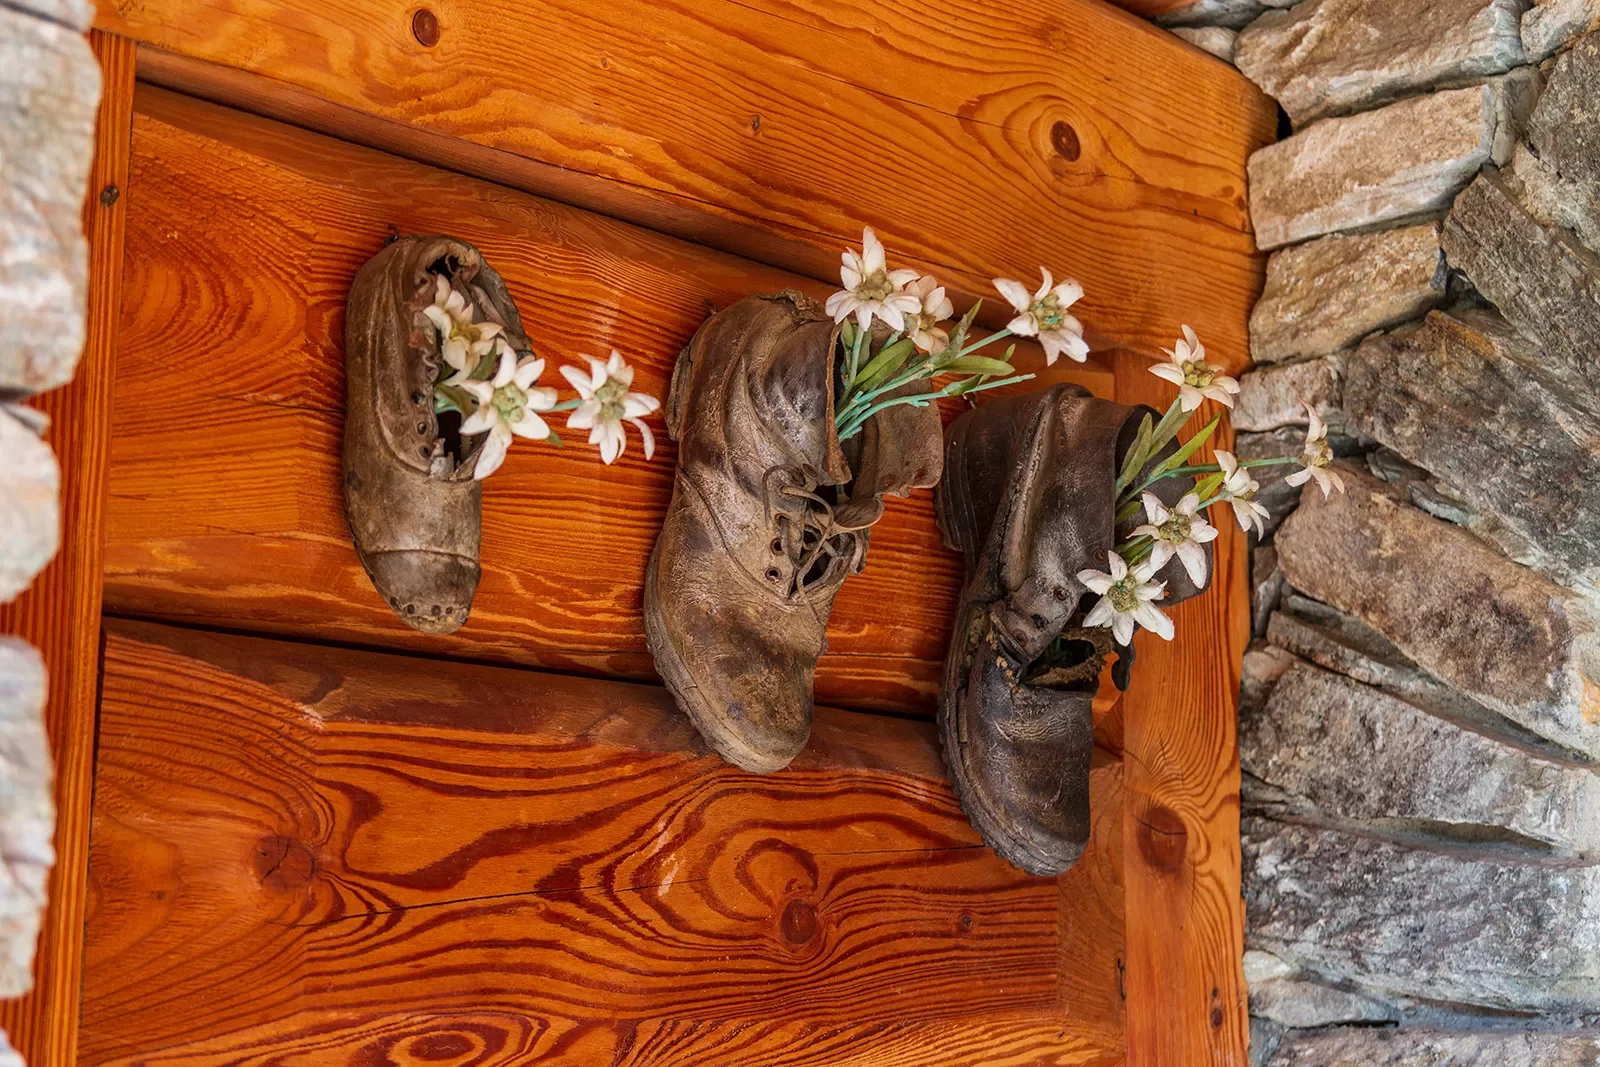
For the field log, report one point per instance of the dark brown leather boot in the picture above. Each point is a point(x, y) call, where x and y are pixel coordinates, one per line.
point(409, 493)
point(1027, 498)
point(769, 515)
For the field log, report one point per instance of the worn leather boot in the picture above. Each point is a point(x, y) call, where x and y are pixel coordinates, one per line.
point(410, 497)
point(1027, 498)
point(769, 515)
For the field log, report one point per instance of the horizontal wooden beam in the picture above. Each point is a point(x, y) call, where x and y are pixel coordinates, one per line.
point(979, 139)
point(226, 505)
point(305, 854)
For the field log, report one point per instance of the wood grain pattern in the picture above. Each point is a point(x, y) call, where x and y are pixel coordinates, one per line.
point(979, 139)
point(60, 614)
point(226, 505)
point(1186, 993)
point(323, 856)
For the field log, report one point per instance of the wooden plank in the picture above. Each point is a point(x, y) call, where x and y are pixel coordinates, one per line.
point(60, 614)
point(1186, 993)
point(979, 139)
point(226, 504)
point(312, 855)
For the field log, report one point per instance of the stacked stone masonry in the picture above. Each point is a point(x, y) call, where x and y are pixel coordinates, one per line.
point(1420, 714)
point(49, 92)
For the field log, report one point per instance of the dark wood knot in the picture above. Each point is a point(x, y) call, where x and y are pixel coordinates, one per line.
point(1064, 139)
point(282, 863)
point(425, 27)
point(799, 921)
point(1163, 839)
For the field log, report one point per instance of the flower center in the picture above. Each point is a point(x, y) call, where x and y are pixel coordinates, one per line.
point(1317, 454)
point(875, 286)
point(611, 396)
point(1176, 529)
point(1124, 595)
point(1048, 313)
point(509, 400)
point(1198, 373)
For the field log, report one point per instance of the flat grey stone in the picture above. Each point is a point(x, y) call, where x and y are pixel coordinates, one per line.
point(74, 14)
point(1466, 397)
point(30, 520)
point(1332, 57)
point(1264, 1038)
point(1469, 926)
point(27, 812)
point(1506, 635)
point(1542, 280)
point(1217, 40)
point(1266, 587)
point(1229, 13)
point(1376, 1047)
point(1556, 174)
point(1352, 751)
point(1270, 397)
point(1550, 24)
point(1328, 294)
point(1263, 665)
point(50, 85)
point(1400, 161)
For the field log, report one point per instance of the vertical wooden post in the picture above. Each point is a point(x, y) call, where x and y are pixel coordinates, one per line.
point(60, 614)
point(1185, 918)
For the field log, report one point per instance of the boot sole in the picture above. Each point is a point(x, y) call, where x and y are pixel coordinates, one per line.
point(949, 500)
point(687, 695)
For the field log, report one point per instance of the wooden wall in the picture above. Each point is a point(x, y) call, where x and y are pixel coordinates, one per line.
point(308, 849)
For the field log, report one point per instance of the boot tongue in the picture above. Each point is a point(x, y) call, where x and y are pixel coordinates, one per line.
point(899, 449)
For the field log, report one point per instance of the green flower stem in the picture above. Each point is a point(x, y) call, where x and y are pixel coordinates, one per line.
point(922, 399)
point(969, 349)
point(569, 405)
point(1214, 468)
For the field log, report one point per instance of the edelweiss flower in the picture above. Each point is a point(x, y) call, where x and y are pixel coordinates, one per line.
point(1179, 531)
point(871, 289)
point(1195, 378)
point(1125, 599)
point(607, 403)
point(1315, 457)
point(461, 341)
point(933, 308)
point(1239, 489)
point(507, 405)
point(1044, 315)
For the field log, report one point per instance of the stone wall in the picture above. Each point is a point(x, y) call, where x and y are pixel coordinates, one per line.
point(49, 90)
point(1420, 719)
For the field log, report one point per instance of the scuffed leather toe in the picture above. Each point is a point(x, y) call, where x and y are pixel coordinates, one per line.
point(432, 591)
point(1025, 752)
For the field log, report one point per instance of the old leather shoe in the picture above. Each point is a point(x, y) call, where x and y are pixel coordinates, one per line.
point(769, 515)
point(410, 497)
point(1028, 499)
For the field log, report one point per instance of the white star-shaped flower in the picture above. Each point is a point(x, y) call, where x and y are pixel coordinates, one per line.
point(1315, 456)
point(1125, 599)
point(871, 290)
point(507, 406)
point(933, 307)
point(1043, 314)
point(1181, 532)
point(1196, 379)
point(1239, 490)
point(462, 342)
point(608, 403)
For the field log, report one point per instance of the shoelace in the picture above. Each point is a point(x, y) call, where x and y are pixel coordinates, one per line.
point(816, 533)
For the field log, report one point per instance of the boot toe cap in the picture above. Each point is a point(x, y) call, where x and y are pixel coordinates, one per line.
point(430, 591)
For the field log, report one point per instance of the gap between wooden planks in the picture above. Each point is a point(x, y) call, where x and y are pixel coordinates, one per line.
point(979, 139)
point(316, 855)
point(60, 613)
point(226, 506)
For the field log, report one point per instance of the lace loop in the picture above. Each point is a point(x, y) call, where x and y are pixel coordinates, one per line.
point(812, 535)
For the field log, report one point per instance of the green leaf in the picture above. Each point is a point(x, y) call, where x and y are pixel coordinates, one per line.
point(453, 398)
point(885, 363)
point(1190, 447)
point(847, 333)
point(555, 439)
point(1134, 462)
point(1127, 512)
point(978, 365)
